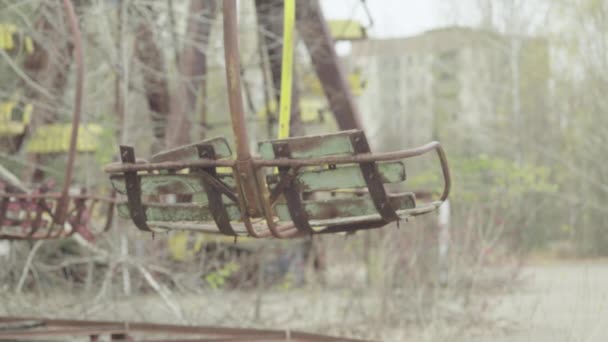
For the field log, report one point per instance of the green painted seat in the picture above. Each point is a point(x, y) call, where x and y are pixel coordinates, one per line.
point(314, 199)
point(357, 190)
point(191, 196)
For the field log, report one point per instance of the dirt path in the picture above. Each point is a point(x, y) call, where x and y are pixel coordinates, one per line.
point(561, 302)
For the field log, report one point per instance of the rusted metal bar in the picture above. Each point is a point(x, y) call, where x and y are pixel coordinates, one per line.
point(147, 331)
point(136, 209)
point(292, 195)
point(372, 179)
point(214, 195)
point(245, 174)
point(54, 196)
point(233, 78)
point(313, 29)
point(73, 24)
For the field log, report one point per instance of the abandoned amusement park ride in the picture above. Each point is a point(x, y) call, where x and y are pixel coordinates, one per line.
point(295, 186)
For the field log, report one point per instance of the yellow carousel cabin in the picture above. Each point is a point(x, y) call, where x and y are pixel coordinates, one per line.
point(13, 40)
point(347, 30)
point(14, 118)
point(55, 138)
point(313, 105)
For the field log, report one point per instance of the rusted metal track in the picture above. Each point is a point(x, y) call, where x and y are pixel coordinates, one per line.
point(27, 328)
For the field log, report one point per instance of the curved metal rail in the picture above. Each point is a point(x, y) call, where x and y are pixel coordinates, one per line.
point(31, 328)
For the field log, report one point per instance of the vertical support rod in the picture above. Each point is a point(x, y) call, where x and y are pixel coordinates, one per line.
point(73, 24)
point(286, 68)
point(315, 32)
point(233, 78)
point(270, 33)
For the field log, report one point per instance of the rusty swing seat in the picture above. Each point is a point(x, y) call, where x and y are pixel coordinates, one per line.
point(309, 167)
point(283, 193)
point(39, 214)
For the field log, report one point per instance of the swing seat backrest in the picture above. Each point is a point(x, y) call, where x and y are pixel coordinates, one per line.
point(358, 189)
point(184, 197)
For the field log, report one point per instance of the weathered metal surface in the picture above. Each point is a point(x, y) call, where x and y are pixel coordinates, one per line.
point(218, 209)
point(337, 208)
point(233, 79)
point(190, 152)
point(26, 328)
point(349, 176)
point(180, 212)
point(292, 195)
point(136, 211)
point(311, 146)
point(161, 184)
point(372, 179)
point(337, 225)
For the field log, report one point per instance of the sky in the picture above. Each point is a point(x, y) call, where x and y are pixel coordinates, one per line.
point(398, 18)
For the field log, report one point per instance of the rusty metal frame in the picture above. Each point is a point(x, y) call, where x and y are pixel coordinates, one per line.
point(290, 193)
point(28, 328)
point(132, 180)
point(290, 230)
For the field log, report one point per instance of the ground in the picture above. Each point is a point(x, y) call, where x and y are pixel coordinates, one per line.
point(560, 301)
point(555, 302)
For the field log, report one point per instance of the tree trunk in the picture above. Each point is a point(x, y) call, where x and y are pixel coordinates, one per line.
point(155, 82)
point(314, 31)
point(192, 68)
point(48, 67)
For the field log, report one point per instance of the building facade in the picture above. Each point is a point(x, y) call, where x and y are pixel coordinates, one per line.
point(449, 81)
